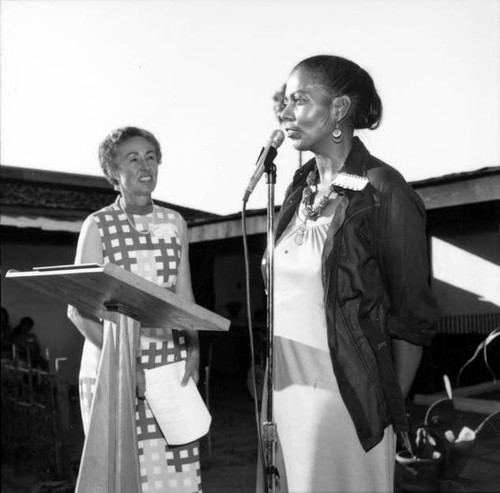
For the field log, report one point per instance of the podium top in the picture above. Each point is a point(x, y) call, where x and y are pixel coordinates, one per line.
point(101, 290)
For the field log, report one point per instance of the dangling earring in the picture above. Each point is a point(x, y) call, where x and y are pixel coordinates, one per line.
point(337, 134)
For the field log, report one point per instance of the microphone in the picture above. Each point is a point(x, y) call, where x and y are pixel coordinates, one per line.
point(267, 155)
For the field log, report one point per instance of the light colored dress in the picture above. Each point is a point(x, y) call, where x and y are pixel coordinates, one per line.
point(317, 439)
point(154, 256)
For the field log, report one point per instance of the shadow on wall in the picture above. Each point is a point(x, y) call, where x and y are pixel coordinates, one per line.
point(457, 270)
point(454, 300)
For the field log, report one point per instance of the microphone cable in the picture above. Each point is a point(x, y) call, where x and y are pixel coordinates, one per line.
point(252, 346)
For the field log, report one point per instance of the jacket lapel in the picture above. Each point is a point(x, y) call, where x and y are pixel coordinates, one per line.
point(355, 164)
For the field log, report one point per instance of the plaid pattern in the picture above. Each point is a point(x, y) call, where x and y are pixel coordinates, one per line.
point(156, 351)
point(154, 256)
point(181, 474)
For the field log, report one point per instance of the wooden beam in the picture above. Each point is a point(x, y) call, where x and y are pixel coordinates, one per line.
point(469, 191)
point(227, 229)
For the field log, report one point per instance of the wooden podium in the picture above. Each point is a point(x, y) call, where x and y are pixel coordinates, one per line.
point(110, 460)
point(96, 290)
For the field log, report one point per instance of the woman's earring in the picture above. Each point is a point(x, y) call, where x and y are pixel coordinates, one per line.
point(337, 134)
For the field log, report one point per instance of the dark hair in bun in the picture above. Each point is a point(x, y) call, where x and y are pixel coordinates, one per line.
point(339, 77)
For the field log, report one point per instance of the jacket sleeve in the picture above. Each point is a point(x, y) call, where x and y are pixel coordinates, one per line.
point(404, 262)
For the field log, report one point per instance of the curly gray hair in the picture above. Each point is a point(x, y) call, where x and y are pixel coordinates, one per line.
point(109, 146)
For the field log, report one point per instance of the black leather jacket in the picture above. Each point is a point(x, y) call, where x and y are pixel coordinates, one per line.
point(376, 287)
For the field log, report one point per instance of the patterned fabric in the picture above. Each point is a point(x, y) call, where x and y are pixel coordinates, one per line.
point(154, 256)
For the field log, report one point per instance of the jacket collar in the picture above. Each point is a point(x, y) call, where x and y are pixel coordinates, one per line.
point(357, 158)
point(355, 164)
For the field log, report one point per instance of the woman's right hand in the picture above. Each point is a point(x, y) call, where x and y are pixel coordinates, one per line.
point(140, 386)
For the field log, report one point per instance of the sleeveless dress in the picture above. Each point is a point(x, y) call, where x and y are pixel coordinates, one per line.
point(317, 439)
point(154, 256)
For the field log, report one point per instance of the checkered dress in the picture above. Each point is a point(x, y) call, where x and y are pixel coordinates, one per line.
point(154, 256)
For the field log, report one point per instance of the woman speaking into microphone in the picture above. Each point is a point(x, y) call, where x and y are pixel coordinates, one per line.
point(353, 303)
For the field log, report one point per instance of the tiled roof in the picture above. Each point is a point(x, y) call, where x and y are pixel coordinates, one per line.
point(54, 194)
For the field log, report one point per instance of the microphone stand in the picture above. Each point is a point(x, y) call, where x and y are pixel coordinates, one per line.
point(269, 429)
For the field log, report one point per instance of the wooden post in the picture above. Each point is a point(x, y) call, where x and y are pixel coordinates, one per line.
point(63, 428)
point(30, 375)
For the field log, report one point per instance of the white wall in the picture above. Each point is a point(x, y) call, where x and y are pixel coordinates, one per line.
point(467, 270)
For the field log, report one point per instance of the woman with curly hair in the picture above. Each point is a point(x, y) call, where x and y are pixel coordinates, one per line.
point(150, 241)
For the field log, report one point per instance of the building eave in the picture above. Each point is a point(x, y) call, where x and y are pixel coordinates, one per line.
point(472, 187)
point(59, 196)
point(457, 189)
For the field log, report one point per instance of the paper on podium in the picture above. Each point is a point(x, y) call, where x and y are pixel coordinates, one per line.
point(180, 411)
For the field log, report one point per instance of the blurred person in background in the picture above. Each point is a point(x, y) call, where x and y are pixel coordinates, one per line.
point(27, 344)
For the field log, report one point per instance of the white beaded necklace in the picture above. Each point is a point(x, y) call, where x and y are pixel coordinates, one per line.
point(341, 180)
point(152, 225)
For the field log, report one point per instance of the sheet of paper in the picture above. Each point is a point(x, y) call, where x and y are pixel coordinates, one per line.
point(179, 411)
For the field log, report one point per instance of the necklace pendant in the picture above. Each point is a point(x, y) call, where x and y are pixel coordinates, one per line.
point(299, 238)
point(300, 233)
point(148, 231)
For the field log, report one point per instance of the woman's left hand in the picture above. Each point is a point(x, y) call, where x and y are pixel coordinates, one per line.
point(192, 365)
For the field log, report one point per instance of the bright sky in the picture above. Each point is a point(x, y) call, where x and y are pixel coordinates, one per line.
point(200, 74)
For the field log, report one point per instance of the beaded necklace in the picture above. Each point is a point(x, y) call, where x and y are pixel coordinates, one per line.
point(131, 222)
point(343, 180)
point(310, 211)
